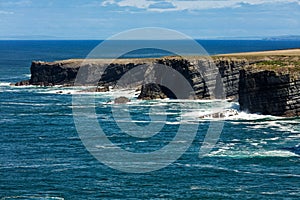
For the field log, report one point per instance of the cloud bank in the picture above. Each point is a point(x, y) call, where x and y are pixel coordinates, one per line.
point(178, 5)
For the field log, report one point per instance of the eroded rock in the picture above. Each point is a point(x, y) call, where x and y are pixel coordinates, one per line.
point(121, 100)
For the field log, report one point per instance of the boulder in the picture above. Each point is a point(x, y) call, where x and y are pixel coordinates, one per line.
point(22, 83)
point(219, 115)
point(121, 100)
point(97, 89)
point(155, 91)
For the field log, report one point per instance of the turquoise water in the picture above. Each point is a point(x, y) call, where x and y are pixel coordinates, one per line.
point(42, 156)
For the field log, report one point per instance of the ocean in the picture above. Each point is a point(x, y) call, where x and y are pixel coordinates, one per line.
point(43, 157)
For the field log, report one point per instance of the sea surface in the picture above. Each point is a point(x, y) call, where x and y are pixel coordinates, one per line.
point(42, 156)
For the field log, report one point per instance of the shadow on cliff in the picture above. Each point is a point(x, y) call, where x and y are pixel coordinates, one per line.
point(264, 92)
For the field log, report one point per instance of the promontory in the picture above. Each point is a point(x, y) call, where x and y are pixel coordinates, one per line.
point(262, 82)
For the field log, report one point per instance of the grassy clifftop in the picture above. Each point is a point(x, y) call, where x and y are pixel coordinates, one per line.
point(281, 61)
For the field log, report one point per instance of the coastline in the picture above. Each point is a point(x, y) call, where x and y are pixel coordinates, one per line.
point(264, 82)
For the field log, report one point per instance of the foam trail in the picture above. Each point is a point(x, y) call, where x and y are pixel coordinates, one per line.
point(5, 84)
point(252, 154)
point(27, 75)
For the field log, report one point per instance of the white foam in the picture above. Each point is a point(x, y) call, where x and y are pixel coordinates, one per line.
point(173, 123)
point(129, 93)
point(275, 153)
point(33, 197)
point(70, 91)
point(251, 117)
point(250, 154)
point(292, 137)
point(193, 100)
point(273, 139)
point(106, 147)
point(5, 84)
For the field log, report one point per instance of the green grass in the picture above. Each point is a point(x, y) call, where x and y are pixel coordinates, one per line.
point(274, 63)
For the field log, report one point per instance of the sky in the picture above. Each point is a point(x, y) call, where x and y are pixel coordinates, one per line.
point(199, 19)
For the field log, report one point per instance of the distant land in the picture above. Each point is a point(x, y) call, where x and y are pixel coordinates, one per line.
point(49, 37)
point(284, 38)
point(30, 37)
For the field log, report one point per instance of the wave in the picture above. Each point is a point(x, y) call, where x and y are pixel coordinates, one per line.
point(190, 109)
point(5, 84)
point(252, 154)
point(32, 197)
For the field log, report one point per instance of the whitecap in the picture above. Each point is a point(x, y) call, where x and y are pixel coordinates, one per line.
point(5, 84)
point(106, 146)
point(251, 154)
point(32, 197)
point(172, 123)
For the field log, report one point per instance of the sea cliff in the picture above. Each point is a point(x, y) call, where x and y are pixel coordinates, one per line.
point(262, 82)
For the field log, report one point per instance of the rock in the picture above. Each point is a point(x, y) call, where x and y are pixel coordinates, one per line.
point(97, 89)
point(67, 85)
point(121, 100)
point(235, 77)
point(219, 115)
point(138, 89)
point(64, 72)
point(102, 89)
point(269, 93)
point(155, 91)
point(53, 73)
point(22, 83)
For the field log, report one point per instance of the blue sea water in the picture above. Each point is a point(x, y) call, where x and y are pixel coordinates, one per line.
point(42, 156)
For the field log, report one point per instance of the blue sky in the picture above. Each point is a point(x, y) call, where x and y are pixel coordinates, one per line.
point(83, 19)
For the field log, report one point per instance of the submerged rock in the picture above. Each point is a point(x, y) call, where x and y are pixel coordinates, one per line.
point(121, 100)
point(97, 89)
point(22, 83)
point(219, 115)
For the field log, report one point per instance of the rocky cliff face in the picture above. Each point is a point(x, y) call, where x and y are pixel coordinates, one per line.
point(203, 83)
point(269, 93)
point(65, 72)
point(267, 84)
point(57, 73)
point(218, 78)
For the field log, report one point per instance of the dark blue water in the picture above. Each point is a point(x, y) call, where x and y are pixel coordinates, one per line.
point(42, 156)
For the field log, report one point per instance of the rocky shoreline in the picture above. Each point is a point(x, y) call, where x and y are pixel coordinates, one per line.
point(262, 82)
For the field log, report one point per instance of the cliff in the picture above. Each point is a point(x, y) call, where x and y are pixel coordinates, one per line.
point(263, 82)
point(64, 72)
point(269, 93)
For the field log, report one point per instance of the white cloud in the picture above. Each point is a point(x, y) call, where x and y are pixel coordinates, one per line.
point(143, 4)
point(3, 12)
point(15, 3)
point(176, 5)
